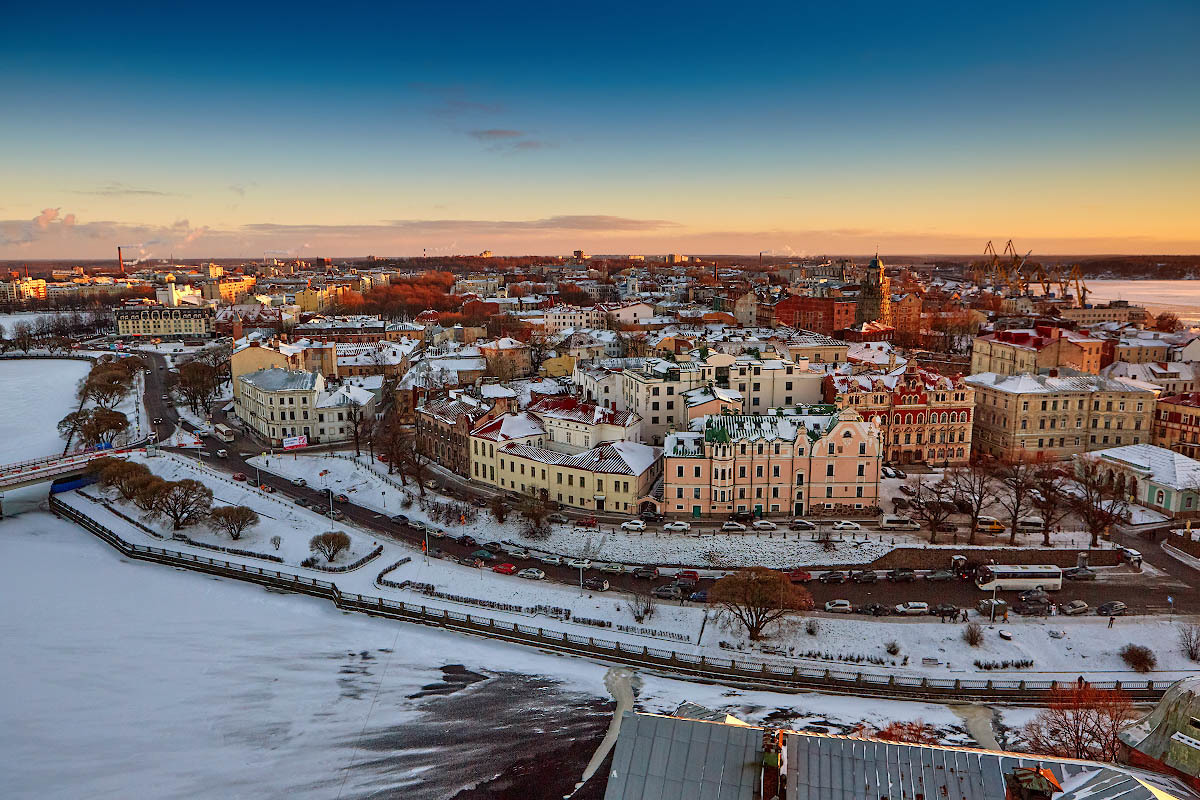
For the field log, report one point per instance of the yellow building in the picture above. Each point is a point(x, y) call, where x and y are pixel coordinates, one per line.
point(145, 322)
point(557, 367)
point(229, 290)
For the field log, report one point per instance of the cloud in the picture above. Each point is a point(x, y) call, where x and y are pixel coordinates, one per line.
point(240, 189)
point(47, 216)
point(115, 189)
point(508, 140)
point(495, 134)
point(464, 227)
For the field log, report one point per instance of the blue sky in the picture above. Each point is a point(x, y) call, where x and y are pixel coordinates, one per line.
point(347, 129)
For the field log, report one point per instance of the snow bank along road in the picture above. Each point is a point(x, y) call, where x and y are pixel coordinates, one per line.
point(734, 672)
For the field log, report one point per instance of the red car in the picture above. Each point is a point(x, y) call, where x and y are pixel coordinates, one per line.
point(505, 569)
point(341, 498)
point(799, 576)
point(239, 476)
point(382, 457)
point(688, 575)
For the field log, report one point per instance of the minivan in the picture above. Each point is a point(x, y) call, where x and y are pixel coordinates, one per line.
point(893, 522)
point(991, 525)
point(1030, 525)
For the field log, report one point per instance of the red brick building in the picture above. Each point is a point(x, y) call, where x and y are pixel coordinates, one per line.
point(825, 315)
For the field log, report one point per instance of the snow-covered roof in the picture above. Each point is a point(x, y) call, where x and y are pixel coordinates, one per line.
point(1027, 383)
point(1164, 467)
point(572, 409)
point(612, 458)
point(507, 427)
point(706, 394)
point(451, 408)
point(277, 379)
point(345, 395)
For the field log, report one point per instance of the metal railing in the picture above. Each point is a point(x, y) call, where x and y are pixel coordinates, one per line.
point(738, 672)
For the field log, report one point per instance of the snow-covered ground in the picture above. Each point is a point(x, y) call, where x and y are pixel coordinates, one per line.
point(37, 394)
point(10, 321)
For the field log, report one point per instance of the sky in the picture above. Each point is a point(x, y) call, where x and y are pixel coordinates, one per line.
point(221, 130)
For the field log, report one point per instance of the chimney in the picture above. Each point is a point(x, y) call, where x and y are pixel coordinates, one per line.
point(1030, 783)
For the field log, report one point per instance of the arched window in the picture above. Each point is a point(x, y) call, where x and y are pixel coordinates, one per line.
point(1159, 497)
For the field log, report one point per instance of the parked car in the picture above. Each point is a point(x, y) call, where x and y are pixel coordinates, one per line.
point(1113, 608)
point(436, 552)
point(651, 516)
point(400, 519)
point(1079, 574)
point(838, 607)
point(341, 498)
point(467, 541)
point(946, 527)
point(480, 502)
point(799, 576)
point(302, 502)
point(940, 576)
point(610, 567)
point(1027, 609)
point(633, 525)
point(678, 525)
point(688, 575)
point(549, 558)
point(984, 607)
point(517, 552)
point(875, 610)
point(945, 610)
point(646, 572)
point(763, 525)
point(299, 482)
point(484, 555)
point(595, 584)
point(336, 514)
point(495, 547)
point(580, 563)
point(832, 576)
point(899, 473)
point(900, 503)
point(908, 490)
point(668, 592)
point(846, 525)
point(1037, 595)
point(799, 524)
point(901, 575)
point(887, 472)
point(732, 526)
point(864, 576)
point(505, 569)
point(913, 608)
point(222, 453)
point(239, 476)
point(559, 518)
point(700, 596)
point(741, 516)
point(1073, 608)
point(532, 573)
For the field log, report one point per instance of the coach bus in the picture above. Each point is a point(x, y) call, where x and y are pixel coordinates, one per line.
point(223, 432)
point(1019, 577)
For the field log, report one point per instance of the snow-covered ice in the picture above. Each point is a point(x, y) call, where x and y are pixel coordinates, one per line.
point(37, 394)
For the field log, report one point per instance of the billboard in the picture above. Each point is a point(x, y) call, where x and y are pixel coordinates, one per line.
point(295, 442)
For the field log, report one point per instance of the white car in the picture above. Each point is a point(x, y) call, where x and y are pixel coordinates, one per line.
point(913, 608)
point(678, 525)
point(763, 525)
point(838, 607)
point(580, 563)
point(299, 482)
point(733, 526)
point(517, 552)
point(846, 525)
point(549, 558)
point(634, 525)
point(532, 573)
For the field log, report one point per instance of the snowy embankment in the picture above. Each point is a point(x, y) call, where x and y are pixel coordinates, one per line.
point(32, 409)
point(372, 488)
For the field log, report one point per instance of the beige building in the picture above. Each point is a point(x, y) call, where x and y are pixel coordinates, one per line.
point(1116, 311)
point(1057, 417)
point(231, 290)
point(279, 403)
point(769, 381)
point(18, 291)
point(146, 322)
point(1012, 352)
point(654, 392)
point(816, 348)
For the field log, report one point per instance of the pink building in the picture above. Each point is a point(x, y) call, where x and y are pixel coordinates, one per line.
point(807, 460)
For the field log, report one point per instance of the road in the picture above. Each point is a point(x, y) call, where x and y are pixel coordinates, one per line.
point(1145, 592)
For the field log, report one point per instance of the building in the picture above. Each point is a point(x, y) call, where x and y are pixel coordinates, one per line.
point(279, 403)
point(816, 348)
point(923, 416)
point(559, 318)
point(171, 294)
point(230, 290)
point(701, 753)
point(573, 426)
point(160, 322)
point(770, 381)
point(874, 296)
point(1164, 740)
point(517, 427)
point(1115, 311)
point(506, 358)
point(827, 316)
point(1154, 477)
point(1055, 416)
point(343, 329)
point(1174, 377)
point(1177, 423)
point(1013, 352)
point(20, 290)
point(654, 392)
point(804, 460)
point(444, 425)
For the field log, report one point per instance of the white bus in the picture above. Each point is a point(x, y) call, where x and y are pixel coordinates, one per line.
point(223, 432)
point(1019, 577)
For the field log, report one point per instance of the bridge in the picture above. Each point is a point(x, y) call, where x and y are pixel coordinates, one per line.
point(39, 470)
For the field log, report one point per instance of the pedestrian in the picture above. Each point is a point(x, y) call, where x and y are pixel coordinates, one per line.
point(1111, 620)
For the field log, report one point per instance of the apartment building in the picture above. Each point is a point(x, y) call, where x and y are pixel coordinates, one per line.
point(559, 318)
point(146, 322)
point(923, 415)
point(804, 460)
point(22, 289)
point(816, 348)
point(1177, 423)
point(824, 315)
point(601, 383)
point(654, 392)
point(280, 403)
point(444, 425)
point(229, 290)
point(1013, 352)
point(1055, 416)
point(770, 381)
point(1116, 311)
point(573, 426)
point(1175, 377)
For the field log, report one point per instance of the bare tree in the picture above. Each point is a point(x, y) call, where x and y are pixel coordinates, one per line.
point(102, 426)
point(1189, 640)
point(757, 597)
point(641, 602)
point(1017, 478)
point(199, 383)
point(1050, 498)
point(22, 336)
point(414, 464)
point(233, 520)
point(1081, 722)
point(147, 493)
point(70, 426)
point(106, 385)
point(932, 503)
point(184, 503)
point(974, 485)
point(124, 476)
point(1096, 498)
point(329, 544)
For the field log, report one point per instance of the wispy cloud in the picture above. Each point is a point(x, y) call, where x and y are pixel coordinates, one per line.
point(116, 189)
point(496, 134)
point(508, 139)
point(240, 189)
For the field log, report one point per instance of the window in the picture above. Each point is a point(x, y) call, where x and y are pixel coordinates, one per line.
point(829, 470)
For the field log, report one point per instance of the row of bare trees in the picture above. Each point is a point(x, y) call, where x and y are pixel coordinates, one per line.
point(106, 385)
point(1020, 487)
